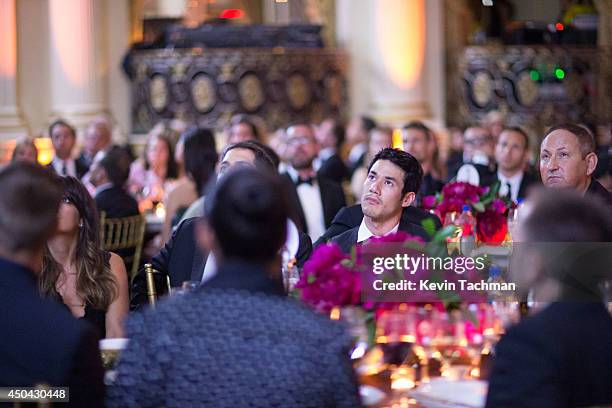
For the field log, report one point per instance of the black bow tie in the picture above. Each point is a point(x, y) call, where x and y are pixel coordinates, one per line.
point(304, 180)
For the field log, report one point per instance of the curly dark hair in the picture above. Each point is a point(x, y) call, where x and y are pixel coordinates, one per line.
point(95, 282)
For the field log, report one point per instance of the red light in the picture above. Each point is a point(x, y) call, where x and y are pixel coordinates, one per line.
point(231, 13)
point(559, 27)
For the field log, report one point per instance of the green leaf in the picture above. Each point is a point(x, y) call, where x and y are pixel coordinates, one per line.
point(347, 263)
point(479, 206)
point(444, 233)
point(311, 279)
point(430, 226)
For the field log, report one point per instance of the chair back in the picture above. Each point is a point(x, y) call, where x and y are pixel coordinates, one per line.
point(125, 235)
point(151, 289)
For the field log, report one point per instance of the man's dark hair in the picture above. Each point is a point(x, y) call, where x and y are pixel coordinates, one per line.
point(248, 213)
point(520, 131)
point(29, 204)
point(585, 138)
point(263, 160)
point(413, 172)
point(417, 125)
point(116, 164)
point(61, 122)
point(200, 155)
point(245, 120)
point(367, 123)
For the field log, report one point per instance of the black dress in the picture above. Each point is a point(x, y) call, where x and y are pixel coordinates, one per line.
point(95, 317)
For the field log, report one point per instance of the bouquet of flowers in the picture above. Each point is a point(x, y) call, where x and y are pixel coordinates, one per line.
point(332, 280)
point(489, 208)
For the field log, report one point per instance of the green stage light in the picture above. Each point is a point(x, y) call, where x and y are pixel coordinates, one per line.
point(534, 75)
point(559, 73)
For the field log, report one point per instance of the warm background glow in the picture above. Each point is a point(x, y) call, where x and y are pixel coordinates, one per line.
point(71, 50)
point(8, 40)
point(400, 28)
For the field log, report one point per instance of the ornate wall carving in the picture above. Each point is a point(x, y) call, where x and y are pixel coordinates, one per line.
point(534, 85)
point(209, 86)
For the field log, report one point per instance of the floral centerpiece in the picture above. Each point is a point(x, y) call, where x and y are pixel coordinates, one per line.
point(489, 208)
point(332, 280)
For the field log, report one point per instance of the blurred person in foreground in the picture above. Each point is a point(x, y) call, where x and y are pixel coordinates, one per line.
point(91, 283)
point(561, 355)
point(568, 161)
point(237, 340)
point(41, 341)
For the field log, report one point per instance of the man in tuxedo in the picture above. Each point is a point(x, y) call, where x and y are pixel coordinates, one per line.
point(329, 164)
point(42, 343)
point(420, 142)
point(183, 260)
point(63, 138)
point(511, 155)
point(394, 177)
point(314, 199)
point(561, 355)
point(238, 340)
point(109, 176)
point(568, 161)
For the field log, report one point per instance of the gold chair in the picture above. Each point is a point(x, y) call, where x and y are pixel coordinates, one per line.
point(124, 234)
point(151, 289)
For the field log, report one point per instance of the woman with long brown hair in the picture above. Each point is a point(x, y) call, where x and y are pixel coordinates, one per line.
point(90, 282)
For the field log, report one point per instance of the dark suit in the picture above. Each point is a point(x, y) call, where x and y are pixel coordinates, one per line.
point(348, 239)
point(560, 357)
point(351, 217)
point(334, 169)
point(237, 341)
point(597, 190)
point(80, 168)
point(332, 199)
point(430, 186)
point(182, 260)
point(42, 343)
point(116, 203)
point(529, 180)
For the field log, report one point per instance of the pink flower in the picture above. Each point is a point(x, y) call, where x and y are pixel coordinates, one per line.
point(498, 206)
point(429, 202)
point(328, 280)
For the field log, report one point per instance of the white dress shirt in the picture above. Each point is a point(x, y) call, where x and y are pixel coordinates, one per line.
point(364, 232)
point(58, 166)
point(312, 205)
point(292, 243)
point(515, 184)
